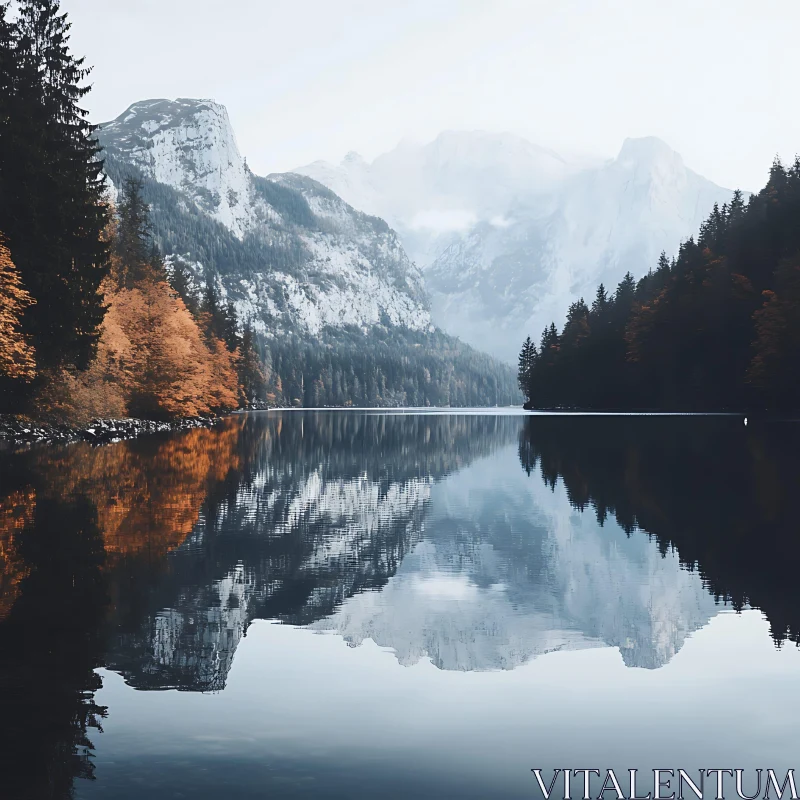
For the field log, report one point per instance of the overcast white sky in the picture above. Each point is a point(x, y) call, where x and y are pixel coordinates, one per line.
point(309, 79)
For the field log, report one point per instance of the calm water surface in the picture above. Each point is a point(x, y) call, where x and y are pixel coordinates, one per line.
point(362, 604)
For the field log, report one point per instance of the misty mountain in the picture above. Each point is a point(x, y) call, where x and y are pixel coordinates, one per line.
point(508, 234)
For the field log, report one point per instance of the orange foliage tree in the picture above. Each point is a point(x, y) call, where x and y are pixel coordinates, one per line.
point(165, 365)
point(17, 358)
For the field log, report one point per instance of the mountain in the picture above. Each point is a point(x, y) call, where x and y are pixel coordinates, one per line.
point(342, 312)
point(290, 253)
point(430, 192)
point(508, 234)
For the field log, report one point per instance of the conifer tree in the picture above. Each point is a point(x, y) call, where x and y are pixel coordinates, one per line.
point(133, 243)
point(51, 184)
point(230, 334)
point(252, 375)
point(214, 318)
point(181, 282)
point(527, 358)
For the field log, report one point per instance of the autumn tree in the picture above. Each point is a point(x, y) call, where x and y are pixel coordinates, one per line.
point(17, 357)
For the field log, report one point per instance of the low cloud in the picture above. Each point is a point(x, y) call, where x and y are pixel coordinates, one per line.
point(444, 220)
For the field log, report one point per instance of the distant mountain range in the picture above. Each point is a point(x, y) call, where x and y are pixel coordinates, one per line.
point(507, 234)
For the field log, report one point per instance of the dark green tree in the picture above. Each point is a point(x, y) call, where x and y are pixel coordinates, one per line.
point(230, 334)
point(134, 243)
point(527, 359)
point(211, 307)
point(52, 188)
point(252, 377)
point(181, 281)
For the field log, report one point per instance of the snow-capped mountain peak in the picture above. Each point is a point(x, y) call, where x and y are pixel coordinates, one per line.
point(290, 253)
point(509, 233)
point(188, 145)
point(647, 149)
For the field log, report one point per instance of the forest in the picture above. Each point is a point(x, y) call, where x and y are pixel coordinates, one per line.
point(716, 327)
point(391, 367)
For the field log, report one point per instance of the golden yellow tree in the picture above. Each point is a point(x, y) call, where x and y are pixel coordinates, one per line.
point(17, 357)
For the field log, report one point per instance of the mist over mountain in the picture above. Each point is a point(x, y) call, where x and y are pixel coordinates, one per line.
point(508, 233)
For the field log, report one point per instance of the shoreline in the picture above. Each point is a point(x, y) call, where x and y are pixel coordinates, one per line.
point(20, 432)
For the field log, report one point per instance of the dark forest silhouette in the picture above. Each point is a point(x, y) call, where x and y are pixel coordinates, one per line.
point(717, 327)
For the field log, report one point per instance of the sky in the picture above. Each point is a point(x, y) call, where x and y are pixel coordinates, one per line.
point(313, 79)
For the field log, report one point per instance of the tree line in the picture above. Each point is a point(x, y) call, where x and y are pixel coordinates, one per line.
point(715, 327)
point(391, 367)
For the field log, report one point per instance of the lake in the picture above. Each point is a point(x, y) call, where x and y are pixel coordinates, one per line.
point(348, 604)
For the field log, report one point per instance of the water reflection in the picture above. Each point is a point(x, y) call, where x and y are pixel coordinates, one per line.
point(418, 532)
point(722, 496)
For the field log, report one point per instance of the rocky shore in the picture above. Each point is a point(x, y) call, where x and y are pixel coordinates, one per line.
point(17, 431)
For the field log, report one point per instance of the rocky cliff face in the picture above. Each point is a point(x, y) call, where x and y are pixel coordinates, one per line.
point(289, 253)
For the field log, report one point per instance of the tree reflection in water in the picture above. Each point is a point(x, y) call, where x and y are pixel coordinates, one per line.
point(721, 493)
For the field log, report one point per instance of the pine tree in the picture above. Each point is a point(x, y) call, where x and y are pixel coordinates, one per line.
point(527, 359)
point(181, 281)
point(252, 375)
point(133, 243)
point(230, 333)
point(601, 302)
point(51, 185)
point(214, 319)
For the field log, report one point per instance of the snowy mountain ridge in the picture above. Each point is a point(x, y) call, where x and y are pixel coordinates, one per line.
point(509, 234)
point(290, 254)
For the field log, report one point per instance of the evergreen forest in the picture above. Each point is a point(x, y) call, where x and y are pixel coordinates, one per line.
point(716, 327)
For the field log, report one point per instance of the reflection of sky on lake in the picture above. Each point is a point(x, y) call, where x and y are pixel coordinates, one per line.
point(307, 714)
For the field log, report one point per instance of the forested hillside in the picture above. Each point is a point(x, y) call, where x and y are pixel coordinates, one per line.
point(715, 327)
point(390, 367)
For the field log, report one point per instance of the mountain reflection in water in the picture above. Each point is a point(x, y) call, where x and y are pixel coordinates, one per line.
point(478, 541)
